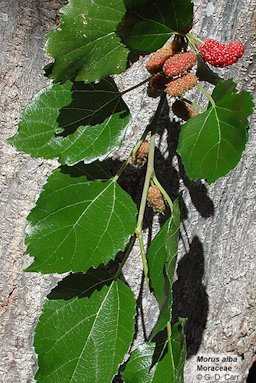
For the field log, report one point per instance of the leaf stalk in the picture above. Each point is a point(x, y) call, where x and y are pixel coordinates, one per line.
point(204, 91)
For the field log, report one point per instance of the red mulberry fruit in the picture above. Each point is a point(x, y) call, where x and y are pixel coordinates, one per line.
point(219, 54)
point(179, 63)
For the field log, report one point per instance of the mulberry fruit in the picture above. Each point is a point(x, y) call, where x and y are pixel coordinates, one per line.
point(181, 85)
point(155, 199)
point(179, 63)
point(183, 110)
point(219, 54)
point(159, 57)
point(141, 154)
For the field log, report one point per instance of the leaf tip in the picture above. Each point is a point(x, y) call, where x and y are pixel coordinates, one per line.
point(11, 140)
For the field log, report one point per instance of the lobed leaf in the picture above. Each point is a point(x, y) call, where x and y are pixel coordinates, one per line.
point(211, 144)
point(156, 22)
point(85, 329)
point(78, 224)
point(85, 46)
point(74, 122)
point(162, 263)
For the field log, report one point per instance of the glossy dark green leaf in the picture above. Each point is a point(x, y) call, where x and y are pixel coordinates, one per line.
point(73, 122)
point(162, 263)
point(85, 46)
point(211, 144)
point(157, 21)
point(148, 36)
point(85, 330)
point(78, 224)
point(152, 363)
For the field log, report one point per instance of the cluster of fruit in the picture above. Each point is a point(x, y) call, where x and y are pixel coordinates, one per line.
point(169, 69)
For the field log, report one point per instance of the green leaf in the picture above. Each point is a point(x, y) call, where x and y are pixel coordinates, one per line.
point(73, 122)
point(85, 330)
point(179, 350)
point(157, 21)
point(85, 46)
point(172, 241)
point(157, 256)
point(205, 73)
point(138, 368)
point(38, 123)
point(211, 144)
point(148, 36)
point(93, 171)
point(134, 5)
point(152, 363)
point(243, 102)
point(223, 88)
point(162, 263)
point(78, 224)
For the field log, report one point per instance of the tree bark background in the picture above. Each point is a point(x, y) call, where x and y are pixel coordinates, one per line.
point(215, 285)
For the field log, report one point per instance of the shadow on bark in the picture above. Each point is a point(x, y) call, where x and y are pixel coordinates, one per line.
point(190, 297)
point(252, 374)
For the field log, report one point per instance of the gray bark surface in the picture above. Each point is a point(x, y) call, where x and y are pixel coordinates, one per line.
point(215, 284)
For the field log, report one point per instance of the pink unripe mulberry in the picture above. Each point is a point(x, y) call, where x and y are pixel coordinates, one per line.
point(179, 63)
point(159, 57)
point(181, 85)
point(142, 154)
